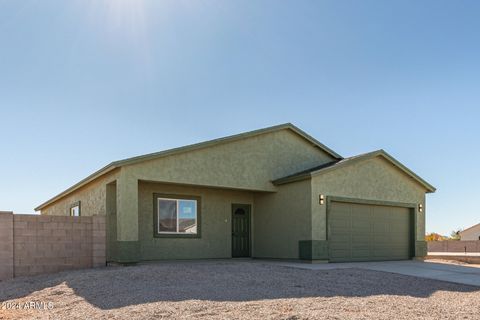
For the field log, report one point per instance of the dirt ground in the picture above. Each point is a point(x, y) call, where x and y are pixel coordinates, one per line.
point(233, 290)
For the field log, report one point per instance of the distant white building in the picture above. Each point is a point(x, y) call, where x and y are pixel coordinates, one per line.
point(472, 233)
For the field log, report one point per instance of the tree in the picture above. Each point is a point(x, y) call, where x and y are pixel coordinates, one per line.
point(455, 234)
point(434, 237)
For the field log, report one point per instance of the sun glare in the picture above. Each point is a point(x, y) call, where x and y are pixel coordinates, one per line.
point(126, 16)
point(123, 23)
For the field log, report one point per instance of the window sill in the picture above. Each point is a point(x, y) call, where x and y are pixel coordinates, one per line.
point(176, 235)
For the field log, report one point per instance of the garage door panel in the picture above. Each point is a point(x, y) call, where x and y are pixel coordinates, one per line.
point(360, 239)
point(360, 232)
point(381, 237)
point(340, 234)
point(340, 255)
point(400, 236)
point(380, 226)
point(338, 226)
point(361, 225)
point(361, 255)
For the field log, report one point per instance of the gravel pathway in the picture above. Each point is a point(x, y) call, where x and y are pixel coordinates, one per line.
point(235, 290)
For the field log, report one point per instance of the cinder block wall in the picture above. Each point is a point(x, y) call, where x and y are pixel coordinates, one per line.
point(35, 244)
point(6, 245)
point(454, 246)
point(99, 241)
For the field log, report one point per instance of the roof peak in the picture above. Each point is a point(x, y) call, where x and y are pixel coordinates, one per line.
point(230, 138)
point(191, 147)
point(306, 174)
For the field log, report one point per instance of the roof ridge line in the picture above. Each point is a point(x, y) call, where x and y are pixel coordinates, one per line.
point(195, 146)
point(305, 174)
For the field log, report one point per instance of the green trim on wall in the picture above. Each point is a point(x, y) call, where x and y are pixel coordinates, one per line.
point(313, 249)
point(176, 197)
point(372, 202)
point(421, 248)
point(127, 252)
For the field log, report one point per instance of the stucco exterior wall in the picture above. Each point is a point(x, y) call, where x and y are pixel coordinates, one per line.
point(282, 219)
point(471, 234)
point(286, 219)
point(248, 164)
point(374, 179)
point(216, 229)
point(92, 198)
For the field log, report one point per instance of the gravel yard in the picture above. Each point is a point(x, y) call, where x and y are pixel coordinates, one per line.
point(236, 290)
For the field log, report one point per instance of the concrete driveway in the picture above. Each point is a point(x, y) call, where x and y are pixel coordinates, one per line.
point(430, 270)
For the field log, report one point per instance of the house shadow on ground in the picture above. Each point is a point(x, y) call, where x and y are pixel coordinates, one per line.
point(115, 287)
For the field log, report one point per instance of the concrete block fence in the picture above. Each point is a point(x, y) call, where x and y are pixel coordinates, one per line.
point(36, 244)
point(454, 246)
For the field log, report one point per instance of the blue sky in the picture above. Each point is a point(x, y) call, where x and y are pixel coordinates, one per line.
point(83, 83)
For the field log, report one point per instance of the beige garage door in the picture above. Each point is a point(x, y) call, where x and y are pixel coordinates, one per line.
point(361, 232)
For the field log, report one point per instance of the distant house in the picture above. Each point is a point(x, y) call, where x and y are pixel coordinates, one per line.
point(271, 193)
point(472, 233)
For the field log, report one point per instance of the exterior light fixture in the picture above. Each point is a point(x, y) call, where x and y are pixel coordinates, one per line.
point(420, 207)
point(321, 199)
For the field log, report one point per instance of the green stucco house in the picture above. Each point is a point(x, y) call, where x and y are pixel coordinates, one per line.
point(270, 193)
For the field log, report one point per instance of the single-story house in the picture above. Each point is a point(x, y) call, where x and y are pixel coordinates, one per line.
point(472, 233)
point(271, 193)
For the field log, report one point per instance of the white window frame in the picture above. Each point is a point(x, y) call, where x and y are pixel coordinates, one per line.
point(177, 201)
point(73, 206)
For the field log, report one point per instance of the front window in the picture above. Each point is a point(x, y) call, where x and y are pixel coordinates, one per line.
point(176, 216)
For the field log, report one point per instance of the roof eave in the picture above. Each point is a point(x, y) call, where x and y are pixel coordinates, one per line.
point(108, 168)
point(133, 160)
point(286, 180)
point(474, 226)
point(428, 187)
point(231, 138)
point(314, 141)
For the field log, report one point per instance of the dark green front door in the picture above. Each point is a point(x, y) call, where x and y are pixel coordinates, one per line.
point(240, 230)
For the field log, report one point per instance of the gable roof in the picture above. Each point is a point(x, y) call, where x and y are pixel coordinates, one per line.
point(129, 161)
point(307, 174)
point(228, 139)
point(468, 229)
